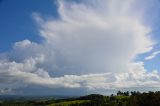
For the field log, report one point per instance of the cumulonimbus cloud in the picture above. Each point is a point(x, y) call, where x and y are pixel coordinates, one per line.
point(91, 46)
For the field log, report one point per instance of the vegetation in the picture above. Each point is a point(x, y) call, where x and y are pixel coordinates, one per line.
point(71, 103)
point(121, 99)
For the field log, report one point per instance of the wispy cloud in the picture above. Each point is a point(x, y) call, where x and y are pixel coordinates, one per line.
point(153, 55)
point(6, 91)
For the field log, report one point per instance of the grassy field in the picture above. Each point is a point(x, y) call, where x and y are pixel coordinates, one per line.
point(68, 103)
point(121, 97)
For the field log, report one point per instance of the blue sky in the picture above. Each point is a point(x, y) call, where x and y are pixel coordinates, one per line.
point(16, 20)
point(71, 46)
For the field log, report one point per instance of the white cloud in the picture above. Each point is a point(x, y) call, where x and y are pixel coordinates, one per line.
point(5, 90)
point(153, 55)
point(89, 46)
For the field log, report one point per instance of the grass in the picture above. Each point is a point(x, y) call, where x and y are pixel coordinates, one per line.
point(121, 97)
point(66, 103)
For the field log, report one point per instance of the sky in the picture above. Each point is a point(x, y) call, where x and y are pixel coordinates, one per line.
point(78, 47)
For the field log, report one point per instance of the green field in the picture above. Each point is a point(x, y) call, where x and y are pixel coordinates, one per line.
point(68, 103)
